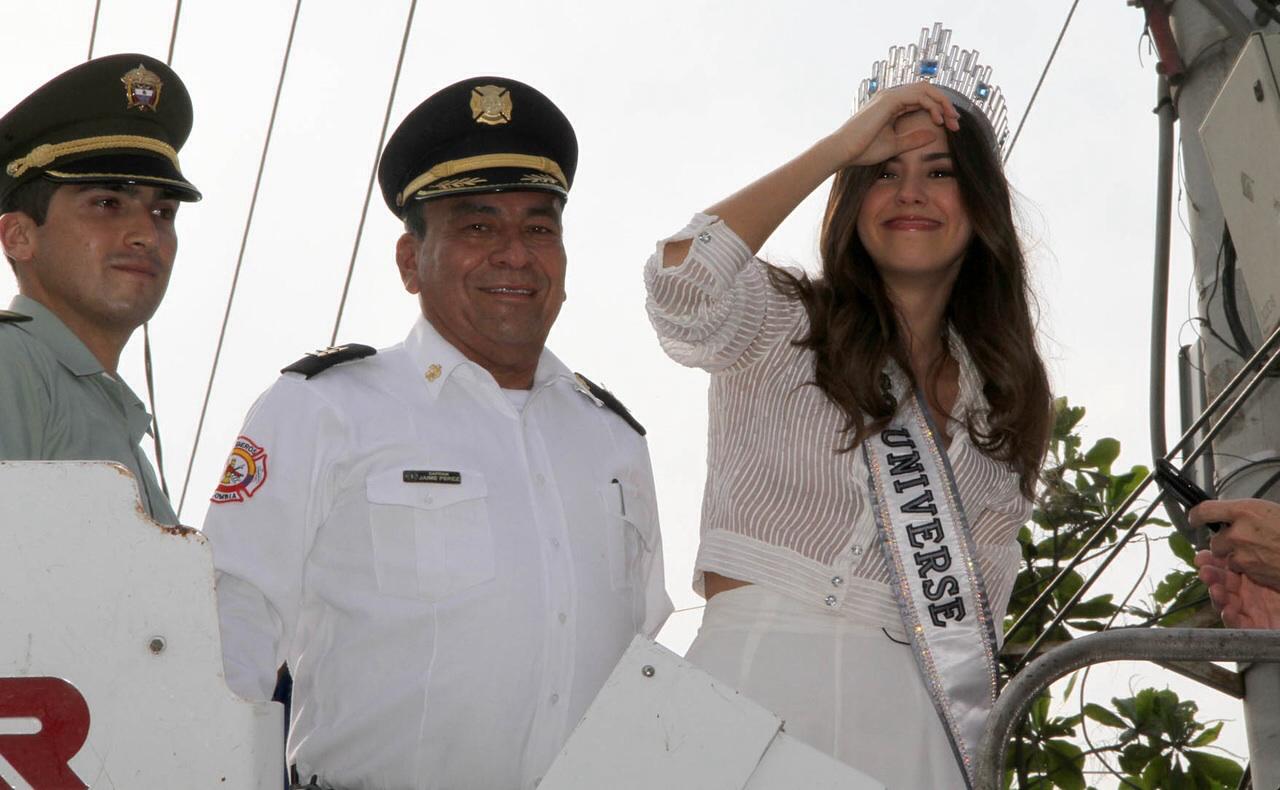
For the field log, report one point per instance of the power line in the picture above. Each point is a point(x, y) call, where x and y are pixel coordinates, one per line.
point(93, 31)
point(151, 400)
point(368, 193)
point(244, 241)
point(173, 34)
point(1044, 73)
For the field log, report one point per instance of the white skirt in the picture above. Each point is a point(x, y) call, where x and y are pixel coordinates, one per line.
point(843, 687)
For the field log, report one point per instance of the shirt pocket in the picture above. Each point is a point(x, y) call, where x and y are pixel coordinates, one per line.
point(630, 532)
point(430, 540)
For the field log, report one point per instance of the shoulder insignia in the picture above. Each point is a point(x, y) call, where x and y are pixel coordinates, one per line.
point(316, 362)
point(607, 399)
point(10, 317)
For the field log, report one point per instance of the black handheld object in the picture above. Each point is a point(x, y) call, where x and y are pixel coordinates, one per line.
point(1182, 489)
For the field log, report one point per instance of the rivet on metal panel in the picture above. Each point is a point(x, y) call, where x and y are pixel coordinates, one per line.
point(648, 671)
point(156, 645)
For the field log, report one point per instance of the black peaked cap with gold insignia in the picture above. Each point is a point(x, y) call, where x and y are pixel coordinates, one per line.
point(116, 119)
point(485, 134)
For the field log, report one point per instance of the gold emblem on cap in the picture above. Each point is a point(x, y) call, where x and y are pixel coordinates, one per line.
point(491, 104)
point(142, 88)
point(433, 372)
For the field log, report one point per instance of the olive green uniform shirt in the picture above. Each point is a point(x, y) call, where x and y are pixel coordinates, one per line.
point(58, 404)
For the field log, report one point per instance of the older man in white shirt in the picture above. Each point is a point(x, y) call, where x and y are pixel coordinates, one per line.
point(453, 540)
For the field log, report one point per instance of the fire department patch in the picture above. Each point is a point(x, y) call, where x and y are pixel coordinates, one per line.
point(244, 474)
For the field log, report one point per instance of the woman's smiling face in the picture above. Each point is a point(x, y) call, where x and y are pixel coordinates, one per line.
point(913, 221)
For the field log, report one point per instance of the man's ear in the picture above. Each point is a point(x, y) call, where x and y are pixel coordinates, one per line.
point(407, 247)
point(18, 236)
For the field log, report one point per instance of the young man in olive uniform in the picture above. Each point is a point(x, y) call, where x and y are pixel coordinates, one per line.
point(89, 190)
point(451, 541)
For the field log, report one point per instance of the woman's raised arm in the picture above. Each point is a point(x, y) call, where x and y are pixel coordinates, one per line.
point(754, 212)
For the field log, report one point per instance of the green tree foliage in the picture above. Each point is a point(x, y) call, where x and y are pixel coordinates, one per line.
point(1152, 739)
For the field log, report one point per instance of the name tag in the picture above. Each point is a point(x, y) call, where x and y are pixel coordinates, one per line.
point(431, 476)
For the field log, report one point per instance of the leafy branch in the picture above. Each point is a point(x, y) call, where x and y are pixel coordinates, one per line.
point(1154, 738)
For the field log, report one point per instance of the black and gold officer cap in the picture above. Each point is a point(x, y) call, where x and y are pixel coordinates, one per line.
point(116, 119)
point(485, 134)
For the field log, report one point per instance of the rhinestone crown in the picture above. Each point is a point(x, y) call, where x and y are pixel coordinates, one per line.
point(936, 60)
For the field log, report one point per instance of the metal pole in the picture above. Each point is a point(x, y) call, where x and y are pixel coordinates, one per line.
point(1230, 17)
point(1150, 644)
point(1209, 35)
point(1160, 284)
point(1262, 721)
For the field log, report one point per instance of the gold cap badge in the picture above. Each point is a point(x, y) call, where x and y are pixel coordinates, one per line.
point(490, 104)
point(142, 88)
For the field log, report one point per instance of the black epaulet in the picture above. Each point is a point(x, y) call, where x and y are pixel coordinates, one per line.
point(607, 399)
point(320, 361)
point(10, 317)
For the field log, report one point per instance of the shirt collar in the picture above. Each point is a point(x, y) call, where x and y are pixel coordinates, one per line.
point(438, 360)
point(75, 356)
point(49, 329)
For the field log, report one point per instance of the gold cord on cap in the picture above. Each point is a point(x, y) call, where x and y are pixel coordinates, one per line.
point(454, 166)
point(44, 155)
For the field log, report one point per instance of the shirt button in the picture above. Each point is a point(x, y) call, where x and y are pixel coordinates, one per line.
point(836, 581)
point(856, 551)
point(555, 698)
point(704, 237)
point(540, 479)
point(426, 500)
point(562, 617)
point(555, 543)
point(831, 600)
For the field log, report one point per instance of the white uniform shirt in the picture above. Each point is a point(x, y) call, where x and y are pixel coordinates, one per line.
point(450, 579)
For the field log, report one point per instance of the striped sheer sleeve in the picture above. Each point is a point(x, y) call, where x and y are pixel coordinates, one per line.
point(718, 309)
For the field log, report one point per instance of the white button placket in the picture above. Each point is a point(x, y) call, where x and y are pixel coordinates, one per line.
point(832, 598)
point(560, 585)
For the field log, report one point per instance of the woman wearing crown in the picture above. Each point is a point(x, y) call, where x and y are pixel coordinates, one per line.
point(875, 431)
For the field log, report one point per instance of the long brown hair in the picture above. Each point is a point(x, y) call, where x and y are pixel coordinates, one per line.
point(854, 330)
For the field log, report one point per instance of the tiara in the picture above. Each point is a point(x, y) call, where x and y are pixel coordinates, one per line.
point(934, 59)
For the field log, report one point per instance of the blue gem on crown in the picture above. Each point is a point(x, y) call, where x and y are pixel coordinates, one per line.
point(936, 60)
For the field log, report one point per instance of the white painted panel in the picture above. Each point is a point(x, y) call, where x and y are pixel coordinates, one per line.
point(96, 594)
point(1241, 135)
point(661, 722)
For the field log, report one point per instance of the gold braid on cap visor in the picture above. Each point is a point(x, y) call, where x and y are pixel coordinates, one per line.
point(483, 162)
point(45, 155)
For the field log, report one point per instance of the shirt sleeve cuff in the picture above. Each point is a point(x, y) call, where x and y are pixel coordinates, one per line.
point(719, 250)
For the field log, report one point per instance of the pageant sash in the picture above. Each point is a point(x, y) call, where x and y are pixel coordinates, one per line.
point(935, 575)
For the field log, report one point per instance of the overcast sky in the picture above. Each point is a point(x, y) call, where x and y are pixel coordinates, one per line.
point(676, 103)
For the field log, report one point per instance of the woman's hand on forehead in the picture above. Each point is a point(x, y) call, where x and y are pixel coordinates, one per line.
point(869, 137)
